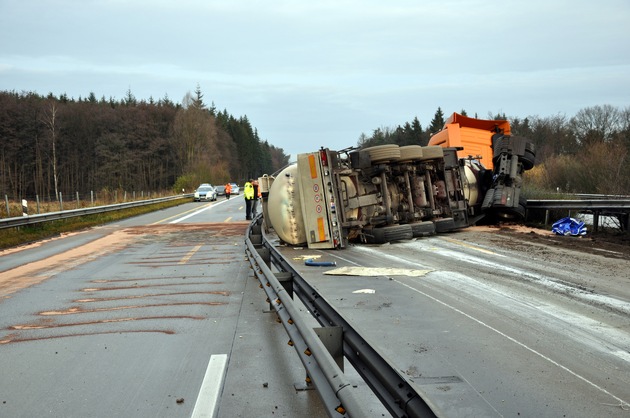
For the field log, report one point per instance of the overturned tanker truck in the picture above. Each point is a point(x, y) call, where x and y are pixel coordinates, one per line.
point(470, 172)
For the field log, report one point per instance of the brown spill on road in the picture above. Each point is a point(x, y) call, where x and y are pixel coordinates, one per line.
point(15, 338)
point(220, 237)
point(145, 286)
point(150, 295)
point(139, 279)
point(102, 321)
point(78, 310)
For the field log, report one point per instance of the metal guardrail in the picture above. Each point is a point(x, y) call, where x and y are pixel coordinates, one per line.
point(619, 208)
point(591, 204)
point(336, 393)
point(601, 196)
point(53, 216)
point(399, 397)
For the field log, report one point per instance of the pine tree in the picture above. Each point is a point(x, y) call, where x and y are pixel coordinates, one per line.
point(438, 121)
point(197, 101)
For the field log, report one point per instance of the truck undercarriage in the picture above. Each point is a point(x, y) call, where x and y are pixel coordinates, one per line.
point(388, 192)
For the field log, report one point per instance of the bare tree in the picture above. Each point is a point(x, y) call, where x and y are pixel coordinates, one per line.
point(196, 140)
point(551, 136)
point(50, 116)
point(596, 124)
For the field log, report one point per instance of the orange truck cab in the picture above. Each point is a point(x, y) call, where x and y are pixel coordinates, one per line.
point(474, 136)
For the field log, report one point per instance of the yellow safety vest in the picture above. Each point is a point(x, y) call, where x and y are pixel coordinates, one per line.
point(248, 191)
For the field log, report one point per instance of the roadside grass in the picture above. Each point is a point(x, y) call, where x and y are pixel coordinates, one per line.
point(12, 237)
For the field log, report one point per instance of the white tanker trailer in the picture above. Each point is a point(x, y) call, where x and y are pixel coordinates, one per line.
point(387, 193)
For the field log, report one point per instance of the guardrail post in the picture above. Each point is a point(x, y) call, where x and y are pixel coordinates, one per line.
point(91, 197)
point(264, 253)
point(256, 240)
point(6, 199)
point(595, 220)
point(60, 202)
point(37, 200)
point(286, 280)
point(78, 203)
point(332, 337)
point(24, 207)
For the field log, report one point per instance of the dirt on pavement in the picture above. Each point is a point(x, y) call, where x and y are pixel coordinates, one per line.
point(606, 244)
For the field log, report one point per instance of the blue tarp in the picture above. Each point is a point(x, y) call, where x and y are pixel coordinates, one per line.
point(568, 226)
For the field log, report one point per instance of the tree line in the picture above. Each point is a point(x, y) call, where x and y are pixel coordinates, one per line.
point(51, 145)
point(586, 153)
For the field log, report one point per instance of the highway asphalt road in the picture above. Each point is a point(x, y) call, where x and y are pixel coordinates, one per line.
point(489, 326)
point(155, 316)
point(160, 316)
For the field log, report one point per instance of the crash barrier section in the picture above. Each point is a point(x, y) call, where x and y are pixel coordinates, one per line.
point(397, 395)
point(54, 216)
point(336, 393)
point(618, 208)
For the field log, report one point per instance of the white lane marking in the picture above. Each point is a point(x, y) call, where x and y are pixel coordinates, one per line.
point(210, 206)
point(621, 354)
point(523, 274)
point(526, 347)
point(207, 401)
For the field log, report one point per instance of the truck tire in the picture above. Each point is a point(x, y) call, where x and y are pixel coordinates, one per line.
point(432, 152)
point(516, 213)
point(381, 235)
point(444, 225)
point(422, 229)
point(503, 144)
point(528, 159)
point(410, 152)
point(382, 153)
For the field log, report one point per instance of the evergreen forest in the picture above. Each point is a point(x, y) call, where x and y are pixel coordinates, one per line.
point(58, 145)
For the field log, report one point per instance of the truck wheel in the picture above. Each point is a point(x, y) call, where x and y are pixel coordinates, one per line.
point(382, 153)
point(422, 229)
point(410, 152)
point(515, 213)
point(390, 233)
point(528, 159)
point(444, 225)
point(432, 152)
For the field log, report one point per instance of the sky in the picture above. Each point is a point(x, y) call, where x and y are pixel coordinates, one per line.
point(311, 73)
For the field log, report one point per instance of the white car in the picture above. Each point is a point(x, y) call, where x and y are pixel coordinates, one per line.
point(205, 192)
point(235, 188)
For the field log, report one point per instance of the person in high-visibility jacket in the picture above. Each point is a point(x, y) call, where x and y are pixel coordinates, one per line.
point(248, 193)
point(228, 190)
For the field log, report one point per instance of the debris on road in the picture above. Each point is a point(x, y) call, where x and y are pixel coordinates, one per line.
point(568, 226)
